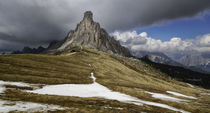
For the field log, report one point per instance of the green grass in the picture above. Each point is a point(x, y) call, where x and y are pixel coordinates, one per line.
point(121, 74)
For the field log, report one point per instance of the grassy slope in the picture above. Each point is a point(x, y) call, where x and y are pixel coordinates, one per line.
point(44, 69)
point(117, 73)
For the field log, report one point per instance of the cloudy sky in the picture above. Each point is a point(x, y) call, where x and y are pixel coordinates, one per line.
point(152, 25)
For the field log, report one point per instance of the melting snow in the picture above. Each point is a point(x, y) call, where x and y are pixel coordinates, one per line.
point(2, 89)
point(113, 108)
point(7, 106)
point(2, 83)
point(84, 90)
point(165, 97)
point(80, 90)
point(93, 77)
point(21, 84)
point(181, 95)
point(190, 85)
point(96, 90)
point(205, 93)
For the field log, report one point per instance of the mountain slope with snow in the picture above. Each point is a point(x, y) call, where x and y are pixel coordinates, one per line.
point(116, 73)
point(60, 78)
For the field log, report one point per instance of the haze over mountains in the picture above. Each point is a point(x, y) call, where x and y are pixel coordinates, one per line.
point(201, 61)
point(196, 62)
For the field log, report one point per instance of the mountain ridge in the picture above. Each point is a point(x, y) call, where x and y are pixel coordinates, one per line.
point(157, 57)
point(89, 34)
point(201, 61)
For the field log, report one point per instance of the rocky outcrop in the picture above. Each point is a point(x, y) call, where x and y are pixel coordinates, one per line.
point(89, 34)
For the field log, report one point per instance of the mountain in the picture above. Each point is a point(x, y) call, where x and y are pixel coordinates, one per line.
point(157, 57)
point(194, 62)
point(28, 50)
point(201, 61)
point(89, 34)
point(80, 78)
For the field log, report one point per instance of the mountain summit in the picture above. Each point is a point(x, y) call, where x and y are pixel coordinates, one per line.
point(89, 34)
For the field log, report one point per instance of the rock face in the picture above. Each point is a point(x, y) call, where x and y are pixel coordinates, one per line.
point(89, 34)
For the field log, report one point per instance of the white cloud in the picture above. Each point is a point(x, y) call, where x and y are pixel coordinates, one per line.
point(143, 34)
point(131, 37)
point(142, 42)
point(203, 41)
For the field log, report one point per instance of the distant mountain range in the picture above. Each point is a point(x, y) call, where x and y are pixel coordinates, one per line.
point(201, 61)
point(198, 62)
point(28, 50)
point(157, 57)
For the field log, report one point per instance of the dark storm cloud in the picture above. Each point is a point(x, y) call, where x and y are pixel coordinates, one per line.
point(37, 22)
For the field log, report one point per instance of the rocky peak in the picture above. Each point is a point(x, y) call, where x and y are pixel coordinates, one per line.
point(87, 25)
point(88, 15)
point(89, 34)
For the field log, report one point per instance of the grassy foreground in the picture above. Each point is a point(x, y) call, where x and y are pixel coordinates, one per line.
point(126, 75)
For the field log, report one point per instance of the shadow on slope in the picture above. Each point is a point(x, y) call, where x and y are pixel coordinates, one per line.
point(181, 74)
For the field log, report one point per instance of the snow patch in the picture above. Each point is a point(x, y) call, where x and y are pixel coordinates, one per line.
point(180, 95)
point(113, 108)
point(164, 106)
point(93, 77)
point(8, 106)
point(83, 90)
point(79, 90)
point(2, 83)
point(21, 84)
point(96, 90)
point(2, 89)
point(190, 85)
point(205, 93)
point(165, 97)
